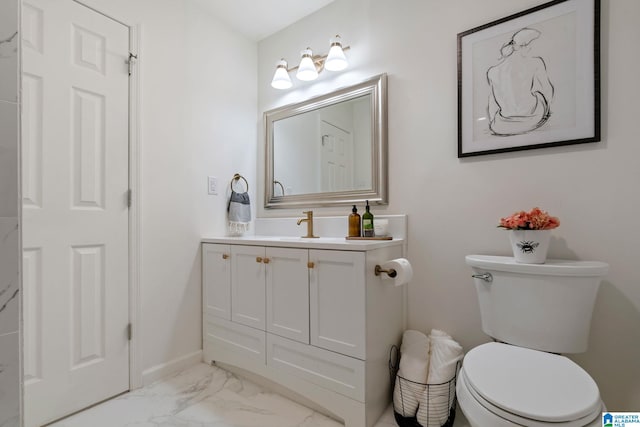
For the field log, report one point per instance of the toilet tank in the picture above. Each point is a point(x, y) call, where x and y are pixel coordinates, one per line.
point(545, 307)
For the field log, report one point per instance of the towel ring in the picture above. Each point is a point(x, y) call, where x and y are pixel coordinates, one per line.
point(237, 177)
point(276, 182)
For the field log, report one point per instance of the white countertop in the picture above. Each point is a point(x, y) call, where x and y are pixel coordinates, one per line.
point(335, 243)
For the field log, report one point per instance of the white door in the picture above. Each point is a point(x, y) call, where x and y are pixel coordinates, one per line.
point(247, 286)
point(336, 168)
point(75, 215)
point(288, 293)
point(216, 277)
point(337, 301)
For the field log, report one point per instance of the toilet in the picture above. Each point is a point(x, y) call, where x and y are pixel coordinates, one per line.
point(535, 313)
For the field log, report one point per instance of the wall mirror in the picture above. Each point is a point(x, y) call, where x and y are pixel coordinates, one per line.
point(329, 150)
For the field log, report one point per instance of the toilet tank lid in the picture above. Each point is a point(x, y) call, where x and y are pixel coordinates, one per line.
point(552, 267)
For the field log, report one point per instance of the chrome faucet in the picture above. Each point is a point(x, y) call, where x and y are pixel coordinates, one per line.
point(309, 221)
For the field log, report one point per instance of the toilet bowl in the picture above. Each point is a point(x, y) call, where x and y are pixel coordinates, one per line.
point(504, 385)
point(535, 312)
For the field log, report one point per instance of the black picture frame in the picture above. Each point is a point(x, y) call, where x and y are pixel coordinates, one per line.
point(530, 80)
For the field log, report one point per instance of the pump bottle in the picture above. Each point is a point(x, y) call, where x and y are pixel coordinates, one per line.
point(354, 223)
point(367, 223)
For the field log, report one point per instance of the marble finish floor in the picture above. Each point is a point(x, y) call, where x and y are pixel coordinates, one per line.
point(204, 396)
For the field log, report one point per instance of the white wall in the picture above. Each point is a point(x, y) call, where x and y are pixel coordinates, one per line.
point(454, 205)
point(294, 150)
point(362, 145)
point(197, 117)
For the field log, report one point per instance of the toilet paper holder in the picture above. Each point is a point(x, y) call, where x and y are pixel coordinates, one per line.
point(390, 272)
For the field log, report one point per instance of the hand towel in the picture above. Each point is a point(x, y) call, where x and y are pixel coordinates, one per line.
point(414, 366)
point(239, 210)
point(436, 400)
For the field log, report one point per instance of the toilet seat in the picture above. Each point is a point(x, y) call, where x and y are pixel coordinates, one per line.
point(527, 387)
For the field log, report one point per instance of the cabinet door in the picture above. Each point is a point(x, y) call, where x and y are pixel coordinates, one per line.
point(216, 279)
point(337, 301)
point(247, 286)
point(288, 293)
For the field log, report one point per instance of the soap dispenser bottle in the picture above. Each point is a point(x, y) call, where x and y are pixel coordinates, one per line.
point(367, 223)
point(354, 223)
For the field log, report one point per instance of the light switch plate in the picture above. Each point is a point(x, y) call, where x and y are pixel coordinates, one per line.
point(212, 185)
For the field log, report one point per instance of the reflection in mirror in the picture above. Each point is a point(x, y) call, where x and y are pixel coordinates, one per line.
point(334, 145)
point(328, 150)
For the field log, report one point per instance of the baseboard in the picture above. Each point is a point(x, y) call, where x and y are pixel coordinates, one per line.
point(165, 369)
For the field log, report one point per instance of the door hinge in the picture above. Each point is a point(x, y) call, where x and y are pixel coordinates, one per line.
point(129, 197)
point(131, 61)
point(129, 331)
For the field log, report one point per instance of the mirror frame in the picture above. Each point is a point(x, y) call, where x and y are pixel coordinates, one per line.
point(378, 194)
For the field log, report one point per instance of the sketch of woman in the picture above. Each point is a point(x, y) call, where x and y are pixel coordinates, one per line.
point(520, 89)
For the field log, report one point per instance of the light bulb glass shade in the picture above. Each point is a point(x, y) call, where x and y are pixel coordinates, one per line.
point(281, 79)
point(336, 61)
point(307, 69)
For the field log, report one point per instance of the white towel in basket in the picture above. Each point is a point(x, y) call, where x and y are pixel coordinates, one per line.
point(414, 366)
point(436, 401)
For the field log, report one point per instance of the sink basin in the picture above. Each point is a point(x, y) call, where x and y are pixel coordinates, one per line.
point(298, 239)
point(309, 239)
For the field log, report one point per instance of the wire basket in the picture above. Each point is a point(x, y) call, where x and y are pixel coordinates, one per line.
point(435, 403)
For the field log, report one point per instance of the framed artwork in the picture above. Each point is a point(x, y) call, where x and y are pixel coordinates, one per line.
point(530, 80)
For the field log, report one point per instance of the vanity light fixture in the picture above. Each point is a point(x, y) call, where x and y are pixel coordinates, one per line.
point(336, 61)
point(281, 79)
point(307, 68)
point(311, 65)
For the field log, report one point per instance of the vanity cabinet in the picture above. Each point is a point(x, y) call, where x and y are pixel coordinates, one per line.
point(247, 286)
point(264, 288)
point(317, 321)
point(216, 271)
point(287, 293)
point(337, 301)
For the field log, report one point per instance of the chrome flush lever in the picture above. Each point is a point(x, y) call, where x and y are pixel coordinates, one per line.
point(487, 277)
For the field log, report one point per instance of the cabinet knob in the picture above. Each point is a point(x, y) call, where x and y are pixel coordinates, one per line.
point(266, 260)
point(225, 256)
point(258, 259)
point(310, 264)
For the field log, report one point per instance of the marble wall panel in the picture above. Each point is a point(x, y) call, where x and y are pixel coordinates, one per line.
point(9, 50)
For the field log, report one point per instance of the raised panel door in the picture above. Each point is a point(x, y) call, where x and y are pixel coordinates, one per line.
point(337, 301)
point(216, 278)
point(248, 286)
point(75, 176)
point(335, 157)
point(287, 275)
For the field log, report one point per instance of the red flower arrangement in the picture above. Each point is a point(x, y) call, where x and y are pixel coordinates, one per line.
point(536, 219)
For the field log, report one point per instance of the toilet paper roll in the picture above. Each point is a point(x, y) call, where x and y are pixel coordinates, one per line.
point(404, 272)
